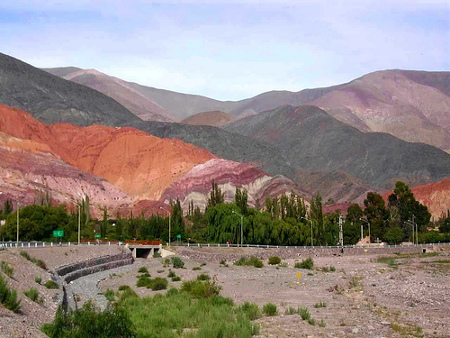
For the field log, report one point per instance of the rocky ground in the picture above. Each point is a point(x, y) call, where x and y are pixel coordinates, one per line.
point(363, 297)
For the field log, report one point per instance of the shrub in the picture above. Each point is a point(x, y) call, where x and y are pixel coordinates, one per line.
point(127, 293)
point(156, 255)
point(171, 274)
point(203, 264)
point(332, 268)
point(143, 270)
point(305, 264)
point(196, 268)
point(33, 294)
point(270, 309)
point(251, 310)
point(198, 289)
point(159, 284)
point(203, 277)
point(51, 284)
point(291, 311)
point(252, 261)
point(304, 313)
point(124, 287)
point(110, 295)
point(311, 321)
point(7, 269)
point(143, 281)
point(160, 271)
point(223, 262)
point(320, 304)
point(274, 260)
point(176, 279)
point(8, 297)
point(38, 280)
point(166, 262)
point(172, 291)
point(90, 321)
point(322, 323)
point(177, 262)
point(39, 262)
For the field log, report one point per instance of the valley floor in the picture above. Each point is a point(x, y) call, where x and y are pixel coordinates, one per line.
point(408, 295)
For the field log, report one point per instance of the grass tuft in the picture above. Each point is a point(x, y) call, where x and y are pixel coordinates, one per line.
point(270, 309)
point(50, 284)
point(305, 264)
point(7, 269)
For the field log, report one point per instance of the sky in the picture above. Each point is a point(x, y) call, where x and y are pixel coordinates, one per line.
point(229, 50)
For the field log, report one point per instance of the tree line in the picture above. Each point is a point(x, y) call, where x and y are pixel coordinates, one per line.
point(283, 220)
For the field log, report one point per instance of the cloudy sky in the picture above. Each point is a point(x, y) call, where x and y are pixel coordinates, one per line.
point(229, 50)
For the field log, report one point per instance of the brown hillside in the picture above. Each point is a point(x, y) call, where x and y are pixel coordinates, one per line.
point(210, 118)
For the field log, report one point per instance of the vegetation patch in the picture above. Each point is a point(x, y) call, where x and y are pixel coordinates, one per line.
point(304, 313)
point(7, 269)
point(274, 260)
point(8, 297)
point(252, 261)
point(177, 262)
point(291, 310)
point(177, 314)
point(90, 321)
point(110, 295)
point(196, 268)
point(320, 304)
point(203, 277)
point(199, 289)
point(39, 262)
point(270, 309)
point(390, 261)
point(155, 284)
point(443, 261)
point(38, 280)
point(50, 284)
point(143, 269)
point(305, 264)
point(33, 294)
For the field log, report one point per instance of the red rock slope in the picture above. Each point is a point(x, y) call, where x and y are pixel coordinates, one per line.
point(196, 185)
point(140, 164)
point(436, 196)
point(30, 170)
point(210, 118)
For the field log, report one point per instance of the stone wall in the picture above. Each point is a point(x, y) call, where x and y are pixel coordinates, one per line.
point(64, 270)
point(218, 254)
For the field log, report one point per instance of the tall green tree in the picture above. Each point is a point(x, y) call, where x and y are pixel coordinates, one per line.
point(215, 196)
point(316, 215)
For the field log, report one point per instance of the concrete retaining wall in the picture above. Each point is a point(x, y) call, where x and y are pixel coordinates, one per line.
point(65, 269)
point(208, 254)
point(97, 268)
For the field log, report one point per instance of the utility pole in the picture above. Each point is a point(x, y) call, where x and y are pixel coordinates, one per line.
point(341, 232)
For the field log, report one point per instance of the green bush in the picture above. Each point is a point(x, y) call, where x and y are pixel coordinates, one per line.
point(291, 310)
point(177, 262)
point(251, 310)
point(171, 274)
point(203, 277)
point(320, 304)
point(203, 264)
point(155, 284)
point(270, 309)
point(156, 255)
point(252, 261)
point(39, 262)
point(51, 284)
point(143, 269)
point(322, 323)
point(305, 264)
point(159, 284)
point(196, 268)
point(90, 321)
point(304, 313)
point(176, 279)
point(166, 262)
point(198, 289)
point(311, 321)
point(8, 297)
point(274, 260)
point(124, 287)
point(33, 294)
point(175, 314)
point(7, 269)
point(38, 280)
point(110, 295)
point(223, 262)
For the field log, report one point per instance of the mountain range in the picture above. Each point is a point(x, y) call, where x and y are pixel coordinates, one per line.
point(411, 105)
point(330, 151)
